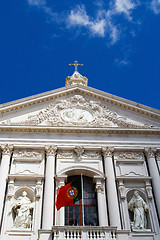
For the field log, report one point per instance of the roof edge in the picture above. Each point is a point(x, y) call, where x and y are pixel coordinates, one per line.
point(128, 104)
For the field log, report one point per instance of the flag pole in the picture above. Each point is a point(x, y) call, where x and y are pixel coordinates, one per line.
point(82, 200)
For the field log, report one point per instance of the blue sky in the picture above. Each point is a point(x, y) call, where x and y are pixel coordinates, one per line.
point(118, 41)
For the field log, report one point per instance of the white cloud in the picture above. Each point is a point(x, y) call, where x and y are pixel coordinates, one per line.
point(42, 4)
point(98, 3)
point(37, 3)
point(125, 6)
point(101, 26)
point(98, 27)
point(121, 62)
point(79, 17)
point(104, 23)
point(114, 33)
point(155, 6)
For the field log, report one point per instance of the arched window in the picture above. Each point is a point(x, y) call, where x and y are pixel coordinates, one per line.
point(87, 214)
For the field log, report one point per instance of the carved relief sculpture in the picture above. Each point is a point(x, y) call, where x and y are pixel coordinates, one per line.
point(130, 155)
point(23, 209)
point(66, 154)
point(78, 111)
point(27, 153)
point(79, 151)
point(138, 206)
point(100, 188)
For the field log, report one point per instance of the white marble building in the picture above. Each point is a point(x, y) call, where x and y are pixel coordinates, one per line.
point(48, 139)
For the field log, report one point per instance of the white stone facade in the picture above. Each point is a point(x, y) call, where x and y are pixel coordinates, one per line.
point(72, 131)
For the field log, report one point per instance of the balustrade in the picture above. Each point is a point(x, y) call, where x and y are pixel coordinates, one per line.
point(86, 232)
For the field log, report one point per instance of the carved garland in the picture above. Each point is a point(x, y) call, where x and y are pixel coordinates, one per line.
point(130, 155)
point(27, 153)
point(73, 154)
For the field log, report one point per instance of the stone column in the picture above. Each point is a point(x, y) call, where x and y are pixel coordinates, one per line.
point(158, 160)
point(48, 201)
point(102, 209)
point(113, 207)
point(154, 173)
point(4, 170)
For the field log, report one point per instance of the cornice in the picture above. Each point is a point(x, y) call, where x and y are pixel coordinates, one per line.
point(140, 178)
point(25, 177)
point(111, 130)
point(47, 96)
point(39, 98)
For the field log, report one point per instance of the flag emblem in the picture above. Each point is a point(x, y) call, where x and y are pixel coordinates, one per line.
point(72, 192)
point(69, 194)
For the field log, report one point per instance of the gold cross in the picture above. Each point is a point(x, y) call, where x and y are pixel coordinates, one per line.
point(76, 64)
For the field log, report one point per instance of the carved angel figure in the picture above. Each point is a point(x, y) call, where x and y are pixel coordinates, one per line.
point(22, 208)
point(139, 207)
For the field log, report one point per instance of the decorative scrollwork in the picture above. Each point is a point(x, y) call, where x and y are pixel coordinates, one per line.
point(100, 188)
point(79, 151)
point(51, 150)
point(150, 152)
point(27, 153)
point(79, 111)
point(7, 149)
point(107, 151)
point(130, 155)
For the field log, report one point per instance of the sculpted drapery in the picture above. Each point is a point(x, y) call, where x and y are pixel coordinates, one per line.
point(138, 206)
point(22, 208)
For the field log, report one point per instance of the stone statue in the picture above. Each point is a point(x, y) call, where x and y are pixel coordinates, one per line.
point(22, 208)
point(138, 206)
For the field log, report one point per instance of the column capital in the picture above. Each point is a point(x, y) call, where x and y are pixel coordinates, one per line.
point(150, 152)
point(107, 151)
point(158, 155)
point(7, 149)
point(99, 188)
point(51, 150)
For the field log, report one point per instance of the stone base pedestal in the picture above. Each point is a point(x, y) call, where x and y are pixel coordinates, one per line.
point(19, 235)
point(144, 235)
point(45, 235)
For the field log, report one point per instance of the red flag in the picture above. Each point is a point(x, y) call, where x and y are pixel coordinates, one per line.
point(69, 194)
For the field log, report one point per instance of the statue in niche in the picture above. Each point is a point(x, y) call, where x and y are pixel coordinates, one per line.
point(23, 209)
point(138, 206)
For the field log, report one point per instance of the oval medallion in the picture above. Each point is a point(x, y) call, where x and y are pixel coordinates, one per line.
point(76, 115)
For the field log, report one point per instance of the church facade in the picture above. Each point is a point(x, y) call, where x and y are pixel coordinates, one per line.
point(51, 139)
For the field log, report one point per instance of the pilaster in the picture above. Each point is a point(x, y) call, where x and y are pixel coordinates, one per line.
point(101, 199)
point(4, 170)
point(48, 202)
point(113, 207)
point(153, 169)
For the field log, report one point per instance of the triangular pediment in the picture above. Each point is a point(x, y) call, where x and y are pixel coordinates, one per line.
point(78, 106)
